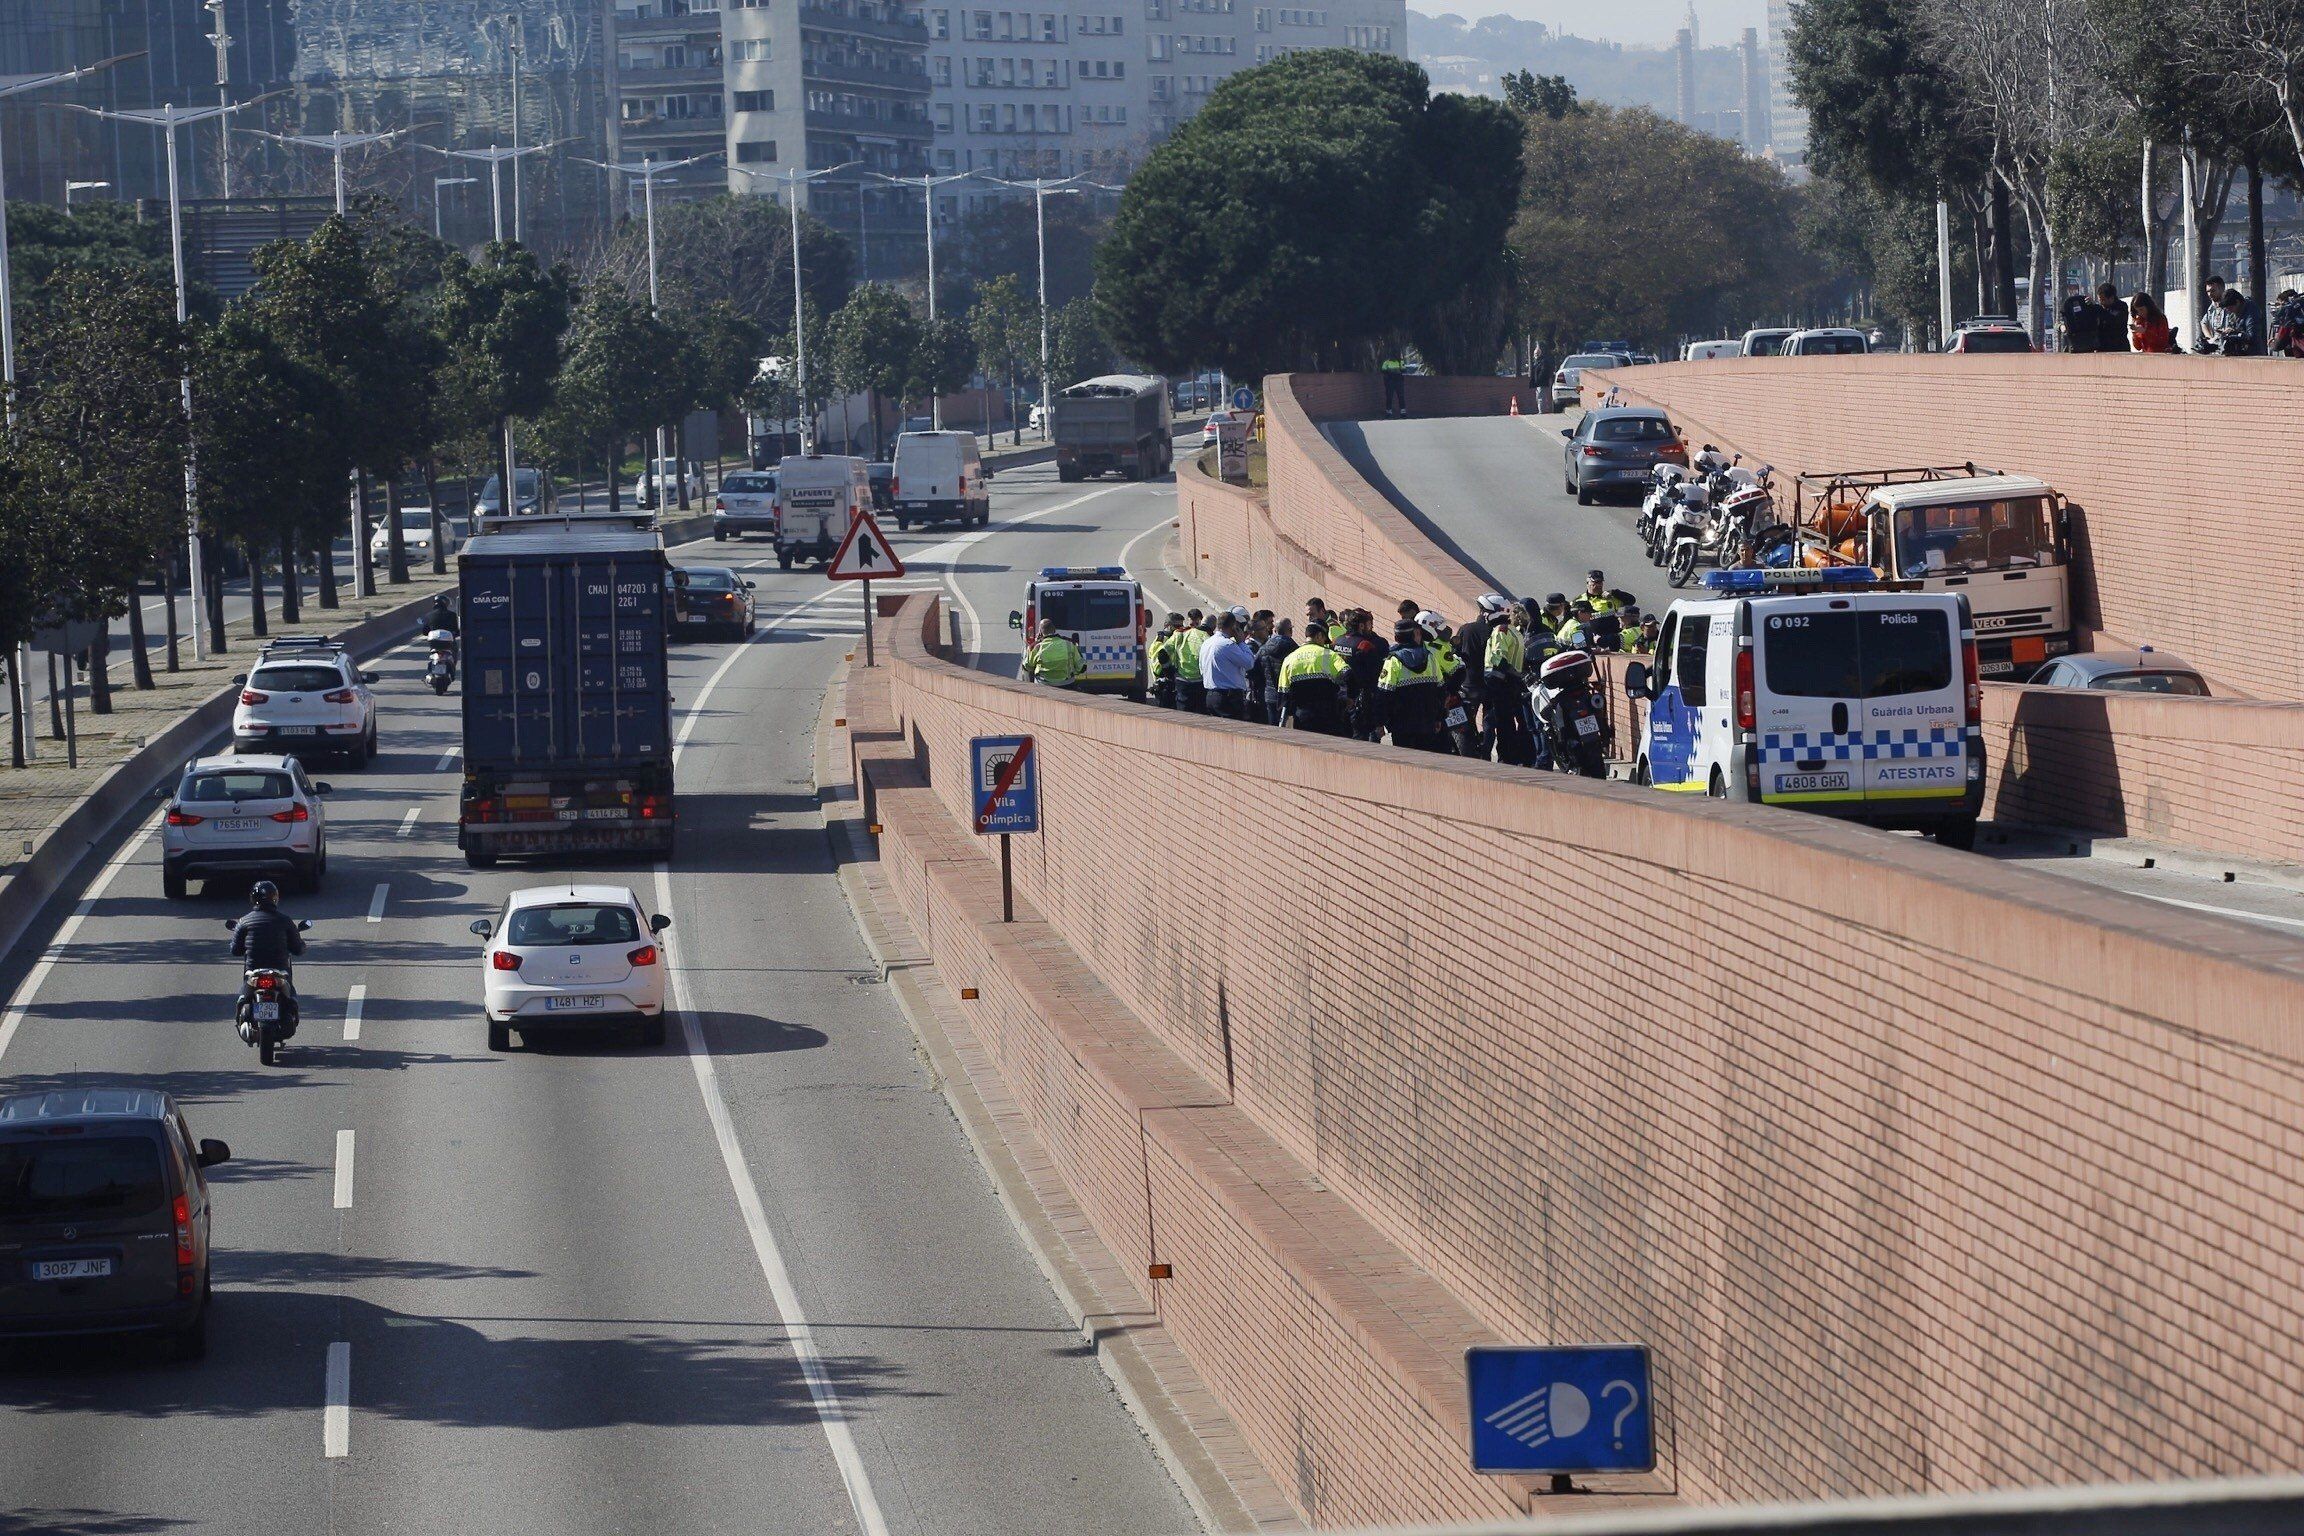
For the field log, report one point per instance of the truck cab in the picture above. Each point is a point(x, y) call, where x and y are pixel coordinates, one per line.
point(1819, 690)
point(1100, 607)
point(817, 496)
point(2001, 541)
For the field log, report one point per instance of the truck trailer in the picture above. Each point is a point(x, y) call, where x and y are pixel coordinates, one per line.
point(567, 697)
point(1121, 422)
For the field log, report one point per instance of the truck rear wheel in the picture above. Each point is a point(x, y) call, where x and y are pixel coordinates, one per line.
point(1067, 474)
point(475, 859)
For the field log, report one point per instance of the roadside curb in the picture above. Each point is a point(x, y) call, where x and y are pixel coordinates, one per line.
point(1227, 1488)
point(75, 835)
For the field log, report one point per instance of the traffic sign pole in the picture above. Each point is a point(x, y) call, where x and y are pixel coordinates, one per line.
point(867, 585)
point(1007, 883)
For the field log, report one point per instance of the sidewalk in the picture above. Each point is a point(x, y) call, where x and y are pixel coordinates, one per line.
point(36, 797)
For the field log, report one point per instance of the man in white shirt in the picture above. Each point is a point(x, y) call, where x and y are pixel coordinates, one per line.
point(1224, 664)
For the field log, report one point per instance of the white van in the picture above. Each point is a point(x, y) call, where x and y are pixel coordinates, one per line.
point(1705, 351)
point(1826, 341)
point(817, 496)
point(1767, 340)
point(1818, 691)
point(1102, 608)
point(940, 477)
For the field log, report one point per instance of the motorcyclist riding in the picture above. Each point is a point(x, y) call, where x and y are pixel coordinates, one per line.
point(442, 616)
point(267, 938)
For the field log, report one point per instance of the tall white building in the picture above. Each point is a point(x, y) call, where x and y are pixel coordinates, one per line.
point(1787, 119)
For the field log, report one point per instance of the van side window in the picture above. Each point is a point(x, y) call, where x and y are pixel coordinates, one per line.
point(1689, 654)
point(1666, 638)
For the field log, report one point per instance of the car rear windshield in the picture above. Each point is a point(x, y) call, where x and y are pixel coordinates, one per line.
point(1632, 429)
point(2184, 683)
point(1091, 608)
point(235, 784)
point(1981, 536)
point(306, 678)
point(572, 924)
point(749, 483)
point(711, 581)
point(1594, 360)
point(1818, 346)
point(1995, 341)
point(1767, 346)
point(1868, 654)
point(96, 1176)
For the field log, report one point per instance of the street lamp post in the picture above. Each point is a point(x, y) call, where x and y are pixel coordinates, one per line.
point(439, 182)
point(222, 38)
point(928, 183)
point(648, 170)
point(71, 187)
point(168, 119)
point(793, 181)
point(335, 143)
point(1040, 187)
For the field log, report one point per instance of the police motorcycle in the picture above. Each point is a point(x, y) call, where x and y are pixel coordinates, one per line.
point(1568, 715)
point(440, 660)
point(1738, 503)
point(266, 1013)
point(1663, 487)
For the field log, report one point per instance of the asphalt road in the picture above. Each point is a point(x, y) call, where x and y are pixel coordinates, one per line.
point(579, 1287)
point(1489, 490)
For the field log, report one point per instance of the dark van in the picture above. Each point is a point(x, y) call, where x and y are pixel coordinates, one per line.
point(104, 1217)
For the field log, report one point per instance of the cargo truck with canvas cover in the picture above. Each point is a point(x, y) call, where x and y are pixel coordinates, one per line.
point(1120, 422)
point(2001, 541)
point(567, 699)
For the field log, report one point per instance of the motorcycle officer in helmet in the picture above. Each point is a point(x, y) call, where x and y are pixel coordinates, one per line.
point(268, 938)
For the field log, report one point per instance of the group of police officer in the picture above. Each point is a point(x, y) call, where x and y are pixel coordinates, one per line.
point(1433, 688)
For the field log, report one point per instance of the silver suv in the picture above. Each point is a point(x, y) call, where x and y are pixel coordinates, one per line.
point(306, 697)
point(240, 818)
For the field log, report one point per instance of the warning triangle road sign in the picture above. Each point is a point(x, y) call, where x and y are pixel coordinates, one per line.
point(864, 555)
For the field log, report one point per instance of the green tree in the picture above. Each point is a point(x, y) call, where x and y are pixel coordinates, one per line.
point(1287, 222)
point(1534, 95)
point(1006, 329)
point(263, 419)
point(875, 348)
point(1004, 241)
point(1077, 348)
point(101, 431)
point(735, 251)
point(107, 236)
point(943, 362)
point(624, 371)
point(503, 317)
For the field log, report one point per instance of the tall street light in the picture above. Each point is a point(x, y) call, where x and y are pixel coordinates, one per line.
point(439, 182)
point(335, 143)
point(168, 119)
point(793, 182)
point(648, 170)
point(1040, 188)
point(221, 36)
point(927, 185)
point(71, 187)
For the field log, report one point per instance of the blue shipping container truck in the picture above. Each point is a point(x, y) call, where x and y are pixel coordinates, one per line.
point(567, 702)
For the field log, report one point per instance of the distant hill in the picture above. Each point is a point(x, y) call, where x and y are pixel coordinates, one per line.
point(1473, 55)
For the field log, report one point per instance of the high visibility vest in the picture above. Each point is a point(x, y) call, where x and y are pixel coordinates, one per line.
point(1444, 661)
point(1055, 660)
point(1507, 652)
point(1570, 633)
point(1312, 660)
point(1392, 365)
point(1186, 650)
point(1601, 604)
point(1397, 674)
point(1163, 658)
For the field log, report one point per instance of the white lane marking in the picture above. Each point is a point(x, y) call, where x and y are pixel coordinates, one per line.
point(447, 760)
point(336, 1416)
point(343, 1170)
point(376, 902)
point(2202, 906)
point(803, 1340)
point(21, 1003)
point(696, 710)
point(355, 999)
point(407, 823)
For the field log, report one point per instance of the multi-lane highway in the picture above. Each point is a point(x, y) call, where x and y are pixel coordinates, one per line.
point(1488, 489)
point(751, 1281)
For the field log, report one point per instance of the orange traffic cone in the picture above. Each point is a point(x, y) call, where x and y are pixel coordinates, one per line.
point(1515, 404)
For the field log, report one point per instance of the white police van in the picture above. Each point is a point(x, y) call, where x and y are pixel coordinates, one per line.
point(1102, 608)
point(1822, 690)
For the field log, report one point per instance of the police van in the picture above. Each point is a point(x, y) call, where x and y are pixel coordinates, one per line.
point(1823, 690)
point(1103, 609)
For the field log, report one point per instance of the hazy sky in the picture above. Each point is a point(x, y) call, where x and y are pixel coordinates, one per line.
point(1623, 21)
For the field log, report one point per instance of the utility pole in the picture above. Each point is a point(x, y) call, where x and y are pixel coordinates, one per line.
point(221, 36)
point(928, 184)
point(335, 143)
point(438, 182)
point(793, 182)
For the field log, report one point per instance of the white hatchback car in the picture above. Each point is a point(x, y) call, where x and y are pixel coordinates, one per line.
point(306, 697)
point(583, 955)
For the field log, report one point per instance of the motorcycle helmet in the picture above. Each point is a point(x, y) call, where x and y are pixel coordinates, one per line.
point(1430, 622)
point(263, 894)
point(1494, 602)
point(1565, 670)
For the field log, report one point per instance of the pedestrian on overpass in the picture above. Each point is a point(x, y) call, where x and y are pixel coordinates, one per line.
point(1162, 662)
point(1363, 655)
point(1271, 657)
point(1471, 646)
point(1191, 691)
point(1312, 684)
point(1055, 660)
point(1408, 693)
point(1504, 689)
point(1226, 660)
point(1395, 386)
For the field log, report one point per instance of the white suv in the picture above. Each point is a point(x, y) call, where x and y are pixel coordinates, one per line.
point(244, 818)
point(305, 697)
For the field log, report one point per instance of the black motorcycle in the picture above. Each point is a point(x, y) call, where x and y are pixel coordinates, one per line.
point(1568, 714)
point(267, 1013)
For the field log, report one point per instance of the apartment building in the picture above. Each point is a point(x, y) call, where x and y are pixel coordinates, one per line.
point(1787, 119)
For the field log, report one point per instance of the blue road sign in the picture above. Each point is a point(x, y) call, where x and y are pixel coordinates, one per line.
point(1243, 399)
point(1539, 1409)
point(1007, 784)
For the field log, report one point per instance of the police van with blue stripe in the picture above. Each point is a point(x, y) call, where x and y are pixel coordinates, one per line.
point(1101, 607)
point(1823, 690)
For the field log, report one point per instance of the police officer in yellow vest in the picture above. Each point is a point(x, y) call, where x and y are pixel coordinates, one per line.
point(1312, 684)
point(1162, 662)
point(1395, 387)
point(1596, 592)
point(1055, 659)
point(1184, 650)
